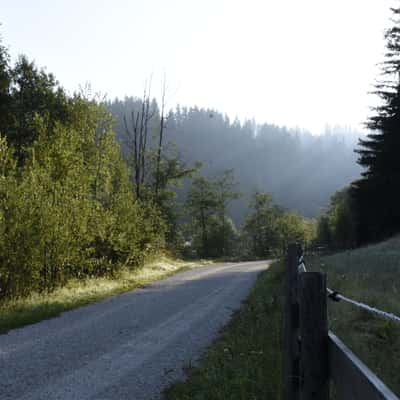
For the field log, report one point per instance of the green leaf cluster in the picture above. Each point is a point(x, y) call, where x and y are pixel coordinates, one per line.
point(213, 233)
point(269, 229)
point(337, 226)
point(70, 211)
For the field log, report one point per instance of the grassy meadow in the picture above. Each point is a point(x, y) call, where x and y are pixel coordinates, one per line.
point(371, 275)
point(36, 307)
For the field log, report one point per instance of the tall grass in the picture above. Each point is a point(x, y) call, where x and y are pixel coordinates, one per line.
point(370, 275)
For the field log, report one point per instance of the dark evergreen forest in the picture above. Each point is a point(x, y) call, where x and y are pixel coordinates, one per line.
point(299, 169)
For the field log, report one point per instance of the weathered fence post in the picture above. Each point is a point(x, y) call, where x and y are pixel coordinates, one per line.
point(291, 326)
point(314, 337)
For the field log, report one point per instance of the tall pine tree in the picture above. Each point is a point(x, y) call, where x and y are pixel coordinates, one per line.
point(377, 193)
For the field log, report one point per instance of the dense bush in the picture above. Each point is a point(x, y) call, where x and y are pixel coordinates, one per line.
point(337, 227)
point(269, 229)
point(70, 211)
point(68, 203)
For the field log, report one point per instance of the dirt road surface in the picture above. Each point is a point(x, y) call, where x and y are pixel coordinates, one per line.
point(129, 346)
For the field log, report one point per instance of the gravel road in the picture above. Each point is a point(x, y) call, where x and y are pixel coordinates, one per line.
point(128, 346)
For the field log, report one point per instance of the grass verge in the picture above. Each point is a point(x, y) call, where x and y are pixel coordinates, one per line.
point(37, 307)
point(371, 275)
point(245, 360)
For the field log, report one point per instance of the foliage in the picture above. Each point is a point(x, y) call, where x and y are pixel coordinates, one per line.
point(377, 194)
point(222, 237)
point(28, 92)
point(226, 192)
point(269, 229)
point(213, 232)
point(69, 210)
point(156, 167)
point(201, 204)
point(5, 82)
point(324, 235)
point(261, 226)
point(73, 205)
point(170, 171)
point(265, 157)
point(337, 227)
point(295, 228)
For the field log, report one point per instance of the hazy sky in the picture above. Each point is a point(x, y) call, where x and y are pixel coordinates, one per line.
point(292, 62)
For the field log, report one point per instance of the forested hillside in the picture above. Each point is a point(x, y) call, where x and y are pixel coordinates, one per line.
point(74, 206)
point(90, 187)
point(300, 170)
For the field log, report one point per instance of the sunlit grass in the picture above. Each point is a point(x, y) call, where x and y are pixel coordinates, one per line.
point(75, 293)
point(246, 359)
point(370, 275)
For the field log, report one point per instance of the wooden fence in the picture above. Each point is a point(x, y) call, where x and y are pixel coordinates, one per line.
point(314, 357)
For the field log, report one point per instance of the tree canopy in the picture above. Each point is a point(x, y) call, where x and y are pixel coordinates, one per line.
point(265, 157)
point(377, 194)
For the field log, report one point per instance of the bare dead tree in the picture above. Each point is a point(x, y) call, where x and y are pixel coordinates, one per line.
point(161, 134)
point(137, 135)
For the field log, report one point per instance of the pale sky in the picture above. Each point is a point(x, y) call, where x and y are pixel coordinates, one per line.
point(291, 62)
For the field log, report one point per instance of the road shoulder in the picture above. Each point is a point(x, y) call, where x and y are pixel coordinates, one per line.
point(245, 359)
point(76, 293)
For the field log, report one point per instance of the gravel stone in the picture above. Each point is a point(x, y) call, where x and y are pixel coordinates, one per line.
point(129, 346)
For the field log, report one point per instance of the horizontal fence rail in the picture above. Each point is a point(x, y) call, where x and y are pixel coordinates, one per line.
point(315, 357)
point(336, 296)
point(352, 378)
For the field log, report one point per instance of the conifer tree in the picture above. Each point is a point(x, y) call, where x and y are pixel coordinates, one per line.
point(377, 193)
